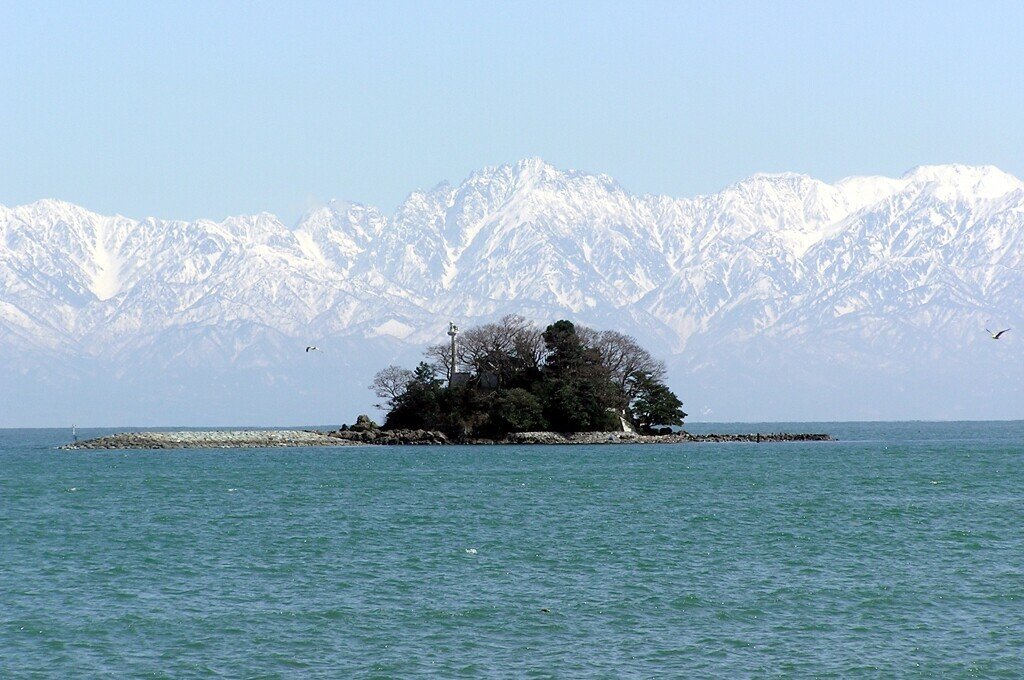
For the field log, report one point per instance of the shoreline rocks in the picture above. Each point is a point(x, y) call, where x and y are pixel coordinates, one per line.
point(677, 438)
point(208, 439)
point(391, 437)
point(236, 439)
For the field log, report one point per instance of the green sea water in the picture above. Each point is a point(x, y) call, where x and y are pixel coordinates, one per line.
point(896, 552)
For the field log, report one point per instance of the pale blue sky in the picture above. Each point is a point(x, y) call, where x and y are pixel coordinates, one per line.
point(183, 110)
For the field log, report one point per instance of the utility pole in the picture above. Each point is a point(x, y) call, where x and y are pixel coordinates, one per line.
point(453, 330)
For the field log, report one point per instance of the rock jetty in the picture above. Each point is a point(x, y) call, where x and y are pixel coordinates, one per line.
point(234, 439)
point(390, 437)
point(676, 438)
point(215, 439)
point(409, 437)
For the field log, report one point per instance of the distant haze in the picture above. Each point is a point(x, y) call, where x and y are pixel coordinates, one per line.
point(781, 297)
point(208, 109)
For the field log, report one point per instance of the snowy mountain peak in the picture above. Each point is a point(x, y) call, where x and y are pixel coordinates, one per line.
point(968, 181)
point(49, 212)
point(778, 270)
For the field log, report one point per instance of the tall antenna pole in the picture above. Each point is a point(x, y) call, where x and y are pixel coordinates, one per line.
point(453, 330)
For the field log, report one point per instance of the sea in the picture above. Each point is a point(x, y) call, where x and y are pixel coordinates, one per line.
point(897, 551)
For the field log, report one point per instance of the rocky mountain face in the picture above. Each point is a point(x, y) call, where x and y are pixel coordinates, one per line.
point(780, 297)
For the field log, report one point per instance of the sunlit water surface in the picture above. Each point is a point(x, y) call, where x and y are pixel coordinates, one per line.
point(898, 551)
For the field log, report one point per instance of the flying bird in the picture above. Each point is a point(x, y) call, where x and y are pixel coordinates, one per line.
point(996, 336)
point(312, 348)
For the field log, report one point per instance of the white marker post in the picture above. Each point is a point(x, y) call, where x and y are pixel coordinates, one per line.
point(453, 331)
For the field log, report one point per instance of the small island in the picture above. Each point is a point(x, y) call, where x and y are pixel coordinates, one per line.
point(375, 436)
point(507, 382)
point(510, 377)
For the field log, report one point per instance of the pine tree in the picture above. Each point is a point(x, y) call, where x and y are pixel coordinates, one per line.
point(655, 404)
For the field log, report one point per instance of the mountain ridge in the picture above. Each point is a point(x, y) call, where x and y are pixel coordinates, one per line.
point(775, 269)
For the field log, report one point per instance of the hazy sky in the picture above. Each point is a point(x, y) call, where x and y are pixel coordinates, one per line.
point(182, 110)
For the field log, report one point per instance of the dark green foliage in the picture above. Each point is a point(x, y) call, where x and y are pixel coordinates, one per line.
point(563, 379)
point(419, 407)
point(577, 390)
point(426, 375)
point(463, 411)
point(516, 410)
point(565, 349)
point(655, 404)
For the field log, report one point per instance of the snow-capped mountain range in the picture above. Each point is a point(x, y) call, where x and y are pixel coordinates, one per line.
point(780, 297)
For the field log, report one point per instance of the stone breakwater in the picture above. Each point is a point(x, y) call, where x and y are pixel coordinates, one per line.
point(410, 437)
point(418, 437)
point(216, 439)
point(250, 439)
point(392, 437)
point(677, 438)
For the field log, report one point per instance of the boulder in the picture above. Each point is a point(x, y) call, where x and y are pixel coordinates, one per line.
point(364, 424)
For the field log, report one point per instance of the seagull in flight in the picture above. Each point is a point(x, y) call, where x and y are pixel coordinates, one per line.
point(997, 335)
point(312, 348)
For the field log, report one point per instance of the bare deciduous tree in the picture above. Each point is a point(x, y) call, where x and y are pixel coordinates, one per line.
point(530, 348)
point(440, 355)
point(624, 357)
point(391, 382)
point(489, 348)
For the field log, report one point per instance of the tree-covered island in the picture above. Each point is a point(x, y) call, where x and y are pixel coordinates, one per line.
point(511, 376)
point(563, 385)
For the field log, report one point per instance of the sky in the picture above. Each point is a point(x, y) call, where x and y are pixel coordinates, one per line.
point(208, 109)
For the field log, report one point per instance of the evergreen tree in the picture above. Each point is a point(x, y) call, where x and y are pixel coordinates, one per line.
point(418, 407)
point(516, 410)
point(567, 379)
point(576, 389)
point(463, 411)
point(655, 404)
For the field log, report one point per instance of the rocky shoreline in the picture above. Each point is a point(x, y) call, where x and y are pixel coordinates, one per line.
point(208, 439)
point(678, 438)
point(411, 437)
point(235, 439)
